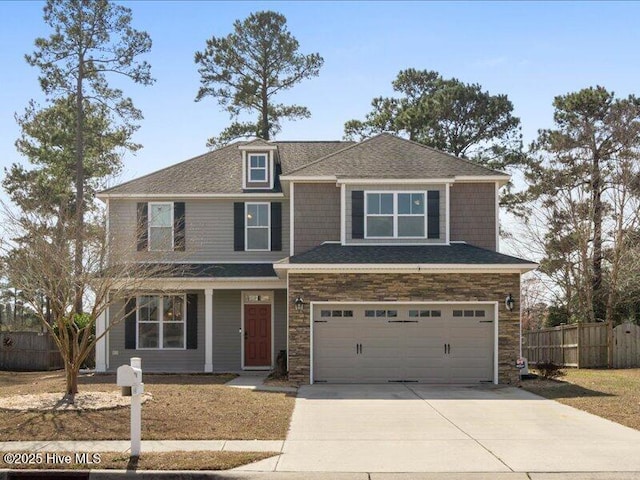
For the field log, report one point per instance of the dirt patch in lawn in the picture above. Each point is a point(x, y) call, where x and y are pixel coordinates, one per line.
point(146, 461)
point(180, 407)
point(612, 394)
point(52, 401)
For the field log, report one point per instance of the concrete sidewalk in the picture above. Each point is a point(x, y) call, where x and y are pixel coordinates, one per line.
point(254, 380)
point(147, 446)
point(230, 475)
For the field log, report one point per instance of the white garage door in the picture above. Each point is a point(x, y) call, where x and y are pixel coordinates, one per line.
point(383, 343)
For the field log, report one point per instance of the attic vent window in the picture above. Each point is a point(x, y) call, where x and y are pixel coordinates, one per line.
point(258, 168)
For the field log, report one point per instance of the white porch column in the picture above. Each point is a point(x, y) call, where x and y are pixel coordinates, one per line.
point(208, 330)
point(101, 345)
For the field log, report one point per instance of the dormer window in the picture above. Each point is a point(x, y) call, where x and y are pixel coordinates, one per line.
point(258, 167)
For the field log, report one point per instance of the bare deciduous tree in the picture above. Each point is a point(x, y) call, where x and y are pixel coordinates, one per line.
point(39, 258)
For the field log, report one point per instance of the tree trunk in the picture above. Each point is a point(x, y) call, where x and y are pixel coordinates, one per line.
point(596, 279)
point(79, 220)
point(264, 124)
point(71, 373)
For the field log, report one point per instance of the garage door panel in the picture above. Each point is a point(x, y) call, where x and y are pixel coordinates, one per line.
point(393, 342)
point(471, 352)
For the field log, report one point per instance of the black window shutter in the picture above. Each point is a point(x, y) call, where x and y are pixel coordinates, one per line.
point(130, 324)
point(179, 240)
point(357, 214)
point(238, 226)
point(192, 321)
point(142, 226)
point(433, 214)
point(276, 226)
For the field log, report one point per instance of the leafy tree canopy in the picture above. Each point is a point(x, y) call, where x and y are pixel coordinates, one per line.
point(247, 68)
point(446, 114)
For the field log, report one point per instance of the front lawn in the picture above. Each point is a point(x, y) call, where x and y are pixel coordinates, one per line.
point(147, 461)
point(182, 407)
point(612, 394)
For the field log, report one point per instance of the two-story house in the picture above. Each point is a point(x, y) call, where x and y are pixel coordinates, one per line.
point(368, 262)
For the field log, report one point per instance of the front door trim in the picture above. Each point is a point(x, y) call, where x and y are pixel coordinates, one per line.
point(243, 295)
point(372, 302)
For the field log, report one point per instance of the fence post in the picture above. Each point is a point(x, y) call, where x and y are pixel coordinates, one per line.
point(579, 342)
point(562, 343)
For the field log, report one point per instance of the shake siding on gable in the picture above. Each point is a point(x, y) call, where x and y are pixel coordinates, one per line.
point(395, 188)
point(473, 214)
point(208, 231)
point(316, 215)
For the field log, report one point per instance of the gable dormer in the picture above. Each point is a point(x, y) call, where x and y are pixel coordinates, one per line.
point(258, 165)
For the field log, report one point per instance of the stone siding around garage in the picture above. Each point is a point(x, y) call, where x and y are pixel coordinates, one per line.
point(414, 287)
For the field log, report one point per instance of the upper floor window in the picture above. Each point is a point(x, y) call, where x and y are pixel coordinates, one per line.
point(395, 215)
point(257, 226)
point(161, 226)
point(258, 168)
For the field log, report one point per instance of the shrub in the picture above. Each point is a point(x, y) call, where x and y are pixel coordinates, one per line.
point(549, 369)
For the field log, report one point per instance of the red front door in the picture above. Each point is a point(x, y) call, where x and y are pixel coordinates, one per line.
point(257, 335)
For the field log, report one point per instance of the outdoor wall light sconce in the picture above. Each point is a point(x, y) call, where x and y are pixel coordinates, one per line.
point(299, 303)
point(509, 302)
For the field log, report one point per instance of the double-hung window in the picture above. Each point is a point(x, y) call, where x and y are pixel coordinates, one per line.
point(161, 226)
point(380, 215)
point(161, 321)
point(257, 226)
point(395, 215)
point(411, 217)
point(257, 167)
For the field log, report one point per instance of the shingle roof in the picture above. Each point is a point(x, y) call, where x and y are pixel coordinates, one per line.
point(388, 156)
point(382, 156)
point(215, 270)
point(456, 253)
point(220, 171)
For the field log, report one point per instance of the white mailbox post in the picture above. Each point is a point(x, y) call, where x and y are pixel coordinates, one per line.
point(130, 377)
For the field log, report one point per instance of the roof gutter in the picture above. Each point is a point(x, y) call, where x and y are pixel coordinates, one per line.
point(404, 267)
point(501, 179)
point(178, 196)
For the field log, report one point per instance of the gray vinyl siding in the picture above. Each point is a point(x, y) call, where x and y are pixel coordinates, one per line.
point(170, 361)
point(396, 188)
point(316, 215)
point(208, 230)
point(227, 307)
point(279, 322)
point(473, 214)
point(226, 330)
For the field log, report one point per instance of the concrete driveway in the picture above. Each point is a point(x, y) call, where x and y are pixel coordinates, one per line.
point(423, 428)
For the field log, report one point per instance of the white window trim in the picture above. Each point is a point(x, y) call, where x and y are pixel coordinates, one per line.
point(250, 169)
point(160, 322)
point(269, 181)
point(149, 210)
point(395, 215)
point(247, 227)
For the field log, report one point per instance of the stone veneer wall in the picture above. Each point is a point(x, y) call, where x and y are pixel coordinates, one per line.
point(381, 287)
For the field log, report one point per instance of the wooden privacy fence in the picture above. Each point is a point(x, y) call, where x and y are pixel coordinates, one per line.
point(583, 345)
point(626, 346)
point(28, 351)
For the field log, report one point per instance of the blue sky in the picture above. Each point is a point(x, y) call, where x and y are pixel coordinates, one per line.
point(530, 51)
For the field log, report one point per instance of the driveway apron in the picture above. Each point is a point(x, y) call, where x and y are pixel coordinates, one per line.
point(426, 428)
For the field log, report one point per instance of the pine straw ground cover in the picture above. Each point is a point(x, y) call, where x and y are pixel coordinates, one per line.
point(149, 461)
point(181, 407)
point(612, 394)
